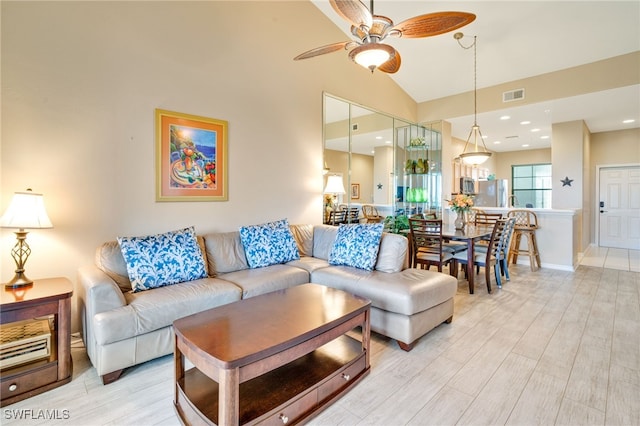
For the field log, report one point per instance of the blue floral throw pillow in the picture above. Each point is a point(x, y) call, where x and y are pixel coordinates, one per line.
point(164, 259)
point(357, 245)
point(269, 244)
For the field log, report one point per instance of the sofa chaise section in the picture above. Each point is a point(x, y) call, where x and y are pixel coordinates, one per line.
point(406, 303)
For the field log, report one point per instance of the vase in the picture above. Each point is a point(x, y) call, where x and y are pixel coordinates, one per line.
point(459, 222)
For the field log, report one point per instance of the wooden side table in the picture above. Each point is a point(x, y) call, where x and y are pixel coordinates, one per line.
point(46, 297)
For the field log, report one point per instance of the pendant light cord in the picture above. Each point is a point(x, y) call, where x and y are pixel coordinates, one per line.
point(475, 83)
point(475, 129)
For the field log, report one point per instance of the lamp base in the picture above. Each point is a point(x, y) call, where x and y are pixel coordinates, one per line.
point(19, 280)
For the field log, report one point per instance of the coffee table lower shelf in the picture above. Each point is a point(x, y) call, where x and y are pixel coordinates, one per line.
point(296, 391)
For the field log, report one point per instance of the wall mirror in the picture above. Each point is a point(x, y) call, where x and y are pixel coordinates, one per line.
point(384, 162)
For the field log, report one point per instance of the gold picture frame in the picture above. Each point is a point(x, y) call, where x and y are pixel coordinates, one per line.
point(355, 191)
point(191, 157)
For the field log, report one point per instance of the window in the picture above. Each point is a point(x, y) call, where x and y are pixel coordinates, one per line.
point(531, 185)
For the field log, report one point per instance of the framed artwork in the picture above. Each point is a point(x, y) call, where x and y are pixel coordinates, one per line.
point(191, 157)
point(355, 191)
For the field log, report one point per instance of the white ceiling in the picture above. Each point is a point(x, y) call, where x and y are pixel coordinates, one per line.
point(516, 39)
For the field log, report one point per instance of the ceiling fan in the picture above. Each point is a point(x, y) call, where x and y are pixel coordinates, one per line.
point(372, 29)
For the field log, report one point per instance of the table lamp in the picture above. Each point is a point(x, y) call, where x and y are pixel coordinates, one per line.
point(334, 185)
point(25, 211)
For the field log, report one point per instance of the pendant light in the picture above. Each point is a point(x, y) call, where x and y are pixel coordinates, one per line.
point(475, 156)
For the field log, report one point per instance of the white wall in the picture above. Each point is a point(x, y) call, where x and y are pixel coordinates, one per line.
point(610, 148)
point(567, 156)
point(383, 174)
point(505, 160)
point(81, 81)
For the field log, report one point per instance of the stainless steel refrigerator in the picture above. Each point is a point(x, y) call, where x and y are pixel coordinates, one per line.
point(492, 193)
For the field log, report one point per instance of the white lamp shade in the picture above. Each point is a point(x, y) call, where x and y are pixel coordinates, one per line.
point(334, 185)
point(372, 55)
point(475, 158)
point(26, 211)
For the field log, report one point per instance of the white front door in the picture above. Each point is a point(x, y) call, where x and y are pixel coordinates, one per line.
point(619, 207)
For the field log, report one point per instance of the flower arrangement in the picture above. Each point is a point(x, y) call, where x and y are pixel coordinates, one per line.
point(461, 203)
point(329, 202)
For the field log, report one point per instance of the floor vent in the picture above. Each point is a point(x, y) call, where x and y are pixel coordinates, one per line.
point(513, 95)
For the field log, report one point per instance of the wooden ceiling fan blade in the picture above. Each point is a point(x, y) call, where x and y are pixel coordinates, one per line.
point(392, 65)
point(324, 50)
point(354, 11)
point(432, 24)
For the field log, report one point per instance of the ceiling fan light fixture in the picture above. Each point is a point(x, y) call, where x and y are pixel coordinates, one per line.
point(372, 55)
point(372, 29)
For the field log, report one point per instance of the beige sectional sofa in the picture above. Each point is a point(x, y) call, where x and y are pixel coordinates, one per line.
point(122, 328)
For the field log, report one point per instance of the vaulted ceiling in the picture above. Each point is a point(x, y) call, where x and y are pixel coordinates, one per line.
point(516, 40)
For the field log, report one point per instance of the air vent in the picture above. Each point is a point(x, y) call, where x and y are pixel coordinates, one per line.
point(513, 95)
point(354, 127)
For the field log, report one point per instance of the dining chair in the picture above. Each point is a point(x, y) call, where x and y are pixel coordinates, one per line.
point(490, 257)
point(470, 217)
point(371, 214)
point(504, 248)
point(350, 213)
point(336, 217)
point(483, 218)
point(426, 240)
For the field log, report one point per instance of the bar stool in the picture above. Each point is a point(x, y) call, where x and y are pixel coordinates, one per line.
point(526, 224)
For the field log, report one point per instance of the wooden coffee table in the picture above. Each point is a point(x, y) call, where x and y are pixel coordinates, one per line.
point(277, 358)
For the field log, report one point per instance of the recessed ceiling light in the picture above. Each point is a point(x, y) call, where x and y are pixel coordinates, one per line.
point(544, 137)
point(631, 120)
point(525, 145)
point(378, 137)
point(505, 117)
point(388, 142)
point(525, 122)
point(535, 130)
point(484, 136)
point(496, 142)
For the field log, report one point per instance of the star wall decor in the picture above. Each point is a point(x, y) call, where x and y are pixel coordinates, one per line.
point(379, 186)
point(566, 181)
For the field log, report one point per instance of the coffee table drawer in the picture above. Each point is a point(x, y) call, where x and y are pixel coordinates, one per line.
point(342, 378)
point(293, 411)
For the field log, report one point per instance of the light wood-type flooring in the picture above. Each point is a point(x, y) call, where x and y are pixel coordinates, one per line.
point(550, 347)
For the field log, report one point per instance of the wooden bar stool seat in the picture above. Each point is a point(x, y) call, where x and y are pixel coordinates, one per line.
point(526, 224)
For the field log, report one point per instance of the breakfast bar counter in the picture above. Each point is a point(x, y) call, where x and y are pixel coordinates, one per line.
point(558, 235)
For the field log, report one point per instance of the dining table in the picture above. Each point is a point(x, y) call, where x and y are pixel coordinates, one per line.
point(469, 234)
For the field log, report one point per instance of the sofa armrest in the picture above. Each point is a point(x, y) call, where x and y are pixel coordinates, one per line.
point(98, 292)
